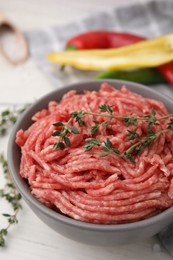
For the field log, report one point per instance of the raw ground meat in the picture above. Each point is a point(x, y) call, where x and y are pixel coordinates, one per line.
point(95, 189)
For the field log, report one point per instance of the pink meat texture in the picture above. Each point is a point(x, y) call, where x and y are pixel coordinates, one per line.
point(86, 187)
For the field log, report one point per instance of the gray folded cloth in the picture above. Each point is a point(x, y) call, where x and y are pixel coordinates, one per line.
point(149, 19)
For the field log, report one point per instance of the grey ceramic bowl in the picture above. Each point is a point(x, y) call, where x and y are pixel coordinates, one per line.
point(95, 234)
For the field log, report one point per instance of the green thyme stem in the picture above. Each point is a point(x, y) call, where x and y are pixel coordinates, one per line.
point(123, 116)
point(164, 117)
point(103, 115)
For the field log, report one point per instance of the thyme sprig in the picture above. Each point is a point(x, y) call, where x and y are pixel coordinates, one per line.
point(138, 144)
point(7, 119)
point(11, 195)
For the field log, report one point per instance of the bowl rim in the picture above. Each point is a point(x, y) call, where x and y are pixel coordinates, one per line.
point(31, 200)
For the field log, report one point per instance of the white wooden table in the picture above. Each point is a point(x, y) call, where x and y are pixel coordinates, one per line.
point(31, 239)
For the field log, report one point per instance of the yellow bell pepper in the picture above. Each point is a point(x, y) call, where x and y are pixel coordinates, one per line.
point(148, 53)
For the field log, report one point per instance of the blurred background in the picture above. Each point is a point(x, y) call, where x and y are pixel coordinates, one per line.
point(40, 13)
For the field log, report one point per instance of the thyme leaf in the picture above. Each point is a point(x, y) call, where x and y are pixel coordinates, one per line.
point(170, 124)
point(106, 146)
point(78, 117)
point(62, 134)
point(91, 142)
point(132, 135)
point(130, 120)
point(106, 108)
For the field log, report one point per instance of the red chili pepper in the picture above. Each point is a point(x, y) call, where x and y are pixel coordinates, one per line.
point(167, 71)
point(109, 39)
point(102, 40)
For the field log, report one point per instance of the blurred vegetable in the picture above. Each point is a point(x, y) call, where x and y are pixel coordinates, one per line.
point(109, 39)
point(101, 40)
point(148, 53)
point(144, 76)
point(167, 71)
